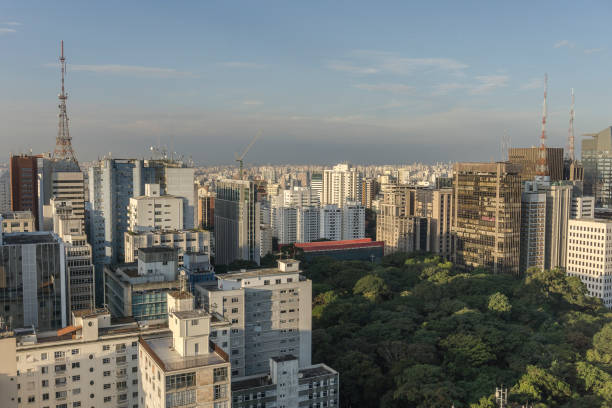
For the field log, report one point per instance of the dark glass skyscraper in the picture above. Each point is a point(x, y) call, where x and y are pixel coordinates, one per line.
point(597, 163)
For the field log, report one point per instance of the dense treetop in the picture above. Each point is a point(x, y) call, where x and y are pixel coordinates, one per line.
point(415, 331)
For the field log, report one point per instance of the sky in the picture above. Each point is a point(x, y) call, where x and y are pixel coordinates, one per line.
point(324, 81)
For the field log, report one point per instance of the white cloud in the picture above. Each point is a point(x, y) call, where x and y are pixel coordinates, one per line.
point(373, 62)
point(446, 88)
point(11, 23)
point(126, 70)
point(489, 83)
point(353, 69)
point(243, 64)
point(564, 43)
point(252, 102)
point(410, 65)
point(533, 83)
point(593, 50)
point(386, 87)
point(7, 30)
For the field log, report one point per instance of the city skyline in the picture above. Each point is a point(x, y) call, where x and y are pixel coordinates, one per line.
point(366, 83)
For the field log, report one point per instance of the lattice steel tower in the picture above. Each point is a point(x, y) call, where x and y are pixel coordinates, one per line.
point(63, 143)
point(542, 164)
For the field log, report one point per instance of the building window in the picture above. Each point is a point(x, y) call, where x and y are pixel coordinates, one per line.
point(220, 391)
point(195, 322)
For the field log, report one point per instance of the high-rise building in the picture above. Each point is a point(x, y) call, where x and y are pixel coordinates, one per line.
point(300, 196)
point(437, 206)
point(182, 240)
point(533, 227)
point(369, 190)
point(153, 211)
point(308, 224)
point(582, 207)
point(341, 184)
point(527, 159)
point(237, 222)
point(316, 184)
point(270, 311)
point(487, 216)
point(5, 191)
point(597, 163)
point(24, 184)
point(286, 225)
point(185, 368)
point(330, 222)
point(68, 225)
point(206, 210)
point(558, 204)
point(353, 220)
point(33, 285)
point(588, 246)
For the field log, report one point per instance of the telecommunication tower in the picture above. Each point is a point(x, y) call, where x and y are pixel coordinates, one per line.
point(542, 165)
point(63, 144)
point(571, 130)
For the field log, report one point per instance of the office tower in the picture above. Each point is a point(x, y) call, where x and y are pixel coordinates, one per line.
point(91, 363)
point(270, 311)
point(112, 182)
point(353, 220)
point(5, 191)
point(487, 216)
point(182, 240)
point(558, 206)
point(436, 205)
point(341, 184)
point(300, 196)
point(265, 240)
point(369, 190)
point(316, 184)
point(64, 181)
point(330, 222)
point(573, 170)
point(139, 289)
point(68, 225)
point(206, 210)
point(527, 159)
point(286, 225)
point(533, 227)
point(24, 184)
point(308, 224)
point(583, 207)
point(286, 385)
point(237, 222)
point(588, 246)
point(153, 211)
point(597, 163)
point(185, 368)
point(33, 290)
point(18, 221)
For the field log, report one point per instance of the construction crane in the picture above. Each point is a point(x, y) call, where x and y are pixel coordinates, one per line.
point(240, 158)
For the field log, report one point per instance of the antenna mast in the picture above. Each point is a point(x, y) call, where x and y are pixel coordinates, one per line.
point(542, 167)
point(571, 130)
point(63, 143)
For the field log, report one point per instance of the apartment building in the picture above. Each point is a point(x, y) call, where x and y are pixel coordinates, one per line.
point(330, 222)
point(18, 221)
point(308, 224)
point(153, 211)
point(341, 184)
point(270, 311)
point(182, 240)
point(589, 256)
point(353, 220)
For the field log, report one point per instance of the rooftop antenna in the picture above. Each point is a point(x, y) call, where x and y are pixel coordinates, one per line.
point(63, 143)
point(571, 130)
point(542, 166)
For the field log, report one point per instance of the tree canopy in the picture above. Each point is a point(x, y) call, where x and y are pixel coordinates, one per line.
point(415, 331)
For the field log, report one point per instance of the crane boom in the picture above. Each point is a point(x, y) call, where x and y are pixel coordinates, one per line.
point(240, 158)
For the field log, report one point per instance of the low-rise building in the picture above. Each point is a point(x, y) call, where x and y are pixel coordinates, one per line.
point(182, 240)
point(18, 221)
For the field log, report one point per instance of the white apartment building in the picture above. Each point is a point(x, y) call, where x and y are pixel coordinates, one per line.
point(330, 222)
point(582, 207)
point(353, 220)
point(18, 221)
point(185, 368)
point(308, 224)
point(155, 212)
point(301, 196)
point(589, 256)
point(286, 224)
point(270, 311)
point(91, 363)
point(341, 184)
point(183, 241)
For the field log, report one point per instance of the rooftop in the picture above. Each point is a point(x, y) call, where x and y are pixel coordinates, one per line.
point(161, 350)
point(157, 250)
point(338, 245)
point(253, 382)
point(253, 273)
point(316, 371)
point(90, 312)
point(19, 238)
point(17, 215)
point(287, 357)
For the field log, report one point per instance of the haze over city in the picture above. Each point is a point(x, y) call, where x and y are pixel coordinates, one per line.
point(324, 82)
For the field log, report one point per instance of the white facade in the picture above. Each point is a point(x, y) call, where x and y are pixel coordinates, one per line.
point(308, 224)
point(330, 222)
point(155, 212)
point(183, 240)
point(589, 256)
point(300, 196)
point(583, 207)
point(285, 224)
point(341, 184)
point(353, 221)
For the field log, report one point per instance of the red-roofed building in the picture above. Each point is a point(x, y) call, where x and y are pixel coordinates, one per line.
point(350, 250)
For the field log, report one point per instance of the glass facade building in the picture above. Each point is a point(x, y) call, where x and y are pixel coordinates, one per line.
point(597, 164)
